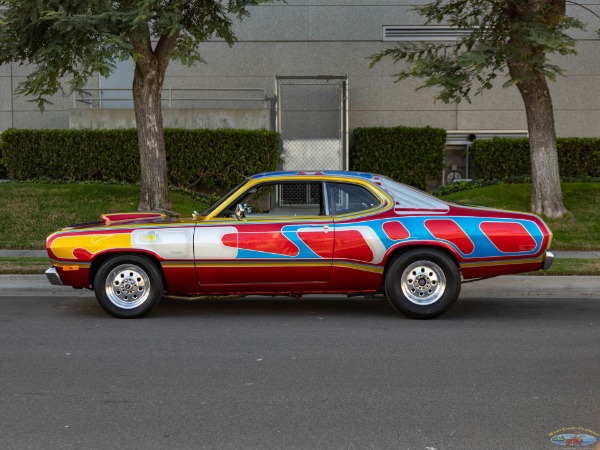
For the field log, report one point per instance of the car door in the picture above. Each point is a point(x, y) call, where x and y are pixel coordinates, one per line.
point(358, 248)
point(283, 241)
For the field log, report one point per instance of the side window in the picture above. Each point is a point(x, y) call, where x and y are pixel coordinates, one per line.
point(280, 200)
point(348, 198)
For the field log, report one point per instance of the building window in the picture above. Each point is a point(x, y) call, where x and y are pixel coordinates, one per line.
point(115, 90)
point(423, 33)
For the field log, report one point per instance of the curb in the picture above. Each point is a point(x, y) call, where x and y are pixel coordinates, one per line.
point(24, 253)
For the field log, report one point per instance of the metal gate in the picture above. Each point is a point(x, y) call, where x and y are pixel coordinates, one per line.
point(312, 118)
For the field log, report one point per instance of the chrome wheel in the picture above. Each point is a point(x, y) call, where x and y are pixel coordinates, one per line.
point(423, 283)
point(127, 286)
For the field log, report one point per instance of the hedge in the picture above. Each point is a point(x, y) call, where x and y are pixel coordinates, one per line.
point(503, 157)
point(208, 158)
point(3, 172)
point(409, 155)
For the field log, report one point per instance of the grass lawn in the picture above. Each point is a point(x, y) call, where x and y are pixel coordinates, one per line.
point(579, 231)
point(29, 212)
point(23, 265)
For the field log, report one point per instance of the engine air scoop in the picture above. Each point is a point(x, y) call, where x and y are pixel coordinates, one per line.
point(134, 216)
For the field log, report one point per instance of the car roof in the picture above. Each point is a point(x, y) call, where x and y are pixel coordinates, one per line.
point(312, 173)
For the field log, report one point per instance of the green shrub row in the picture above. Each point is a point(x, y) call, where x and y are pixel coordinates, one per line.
point(206, 158)
point(409, 155)
point(502, 157)
point(3, 172)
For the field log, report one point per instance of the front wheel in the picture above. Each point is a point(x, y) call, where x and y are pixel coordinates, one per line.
point(128, 286)
point(422, 284)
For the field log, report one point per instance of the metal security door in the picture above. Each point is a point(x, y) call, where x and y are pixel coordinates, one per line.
point(312, 118)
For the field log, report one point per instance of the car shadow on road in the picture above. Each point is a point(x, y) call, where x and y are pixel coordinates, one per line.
point(526, 309)
point(465, 310)
point(275, 307)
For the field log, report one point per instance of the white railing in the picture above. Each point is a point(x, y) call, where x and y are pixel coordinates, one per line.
point(110, 98)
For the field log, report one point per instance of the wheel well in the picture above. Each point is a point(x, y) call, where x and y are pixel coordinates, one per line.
point(100, 259)
point(400, 251)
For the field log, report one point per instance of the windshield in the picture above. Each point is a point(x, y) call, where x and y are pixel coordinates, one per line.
point(222, 199)
point(410, 198)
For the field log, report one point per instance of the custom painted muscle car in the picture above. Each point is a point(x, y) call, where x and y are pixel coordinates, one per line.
point(297, 233)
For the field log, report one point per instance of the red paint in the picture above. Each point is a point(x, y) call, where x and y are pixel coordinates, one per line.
point(319, 242)
point(345, 279)
point(449, 231)
point(230, 240)
point(117, 217)
point(350, 244)
point(494, 271)
point(181, 279)
point(248, 278)
point(508, 237)
point(395, 231)
point(76, 278)
point(82, 254)
point(268, 242)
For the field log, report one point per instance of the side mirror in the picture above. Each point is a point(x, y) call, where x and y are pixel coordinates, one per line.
point(240, 212)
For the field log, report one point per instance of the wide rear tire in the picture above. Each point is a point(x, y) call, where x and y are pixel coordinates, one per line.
point(422, 283)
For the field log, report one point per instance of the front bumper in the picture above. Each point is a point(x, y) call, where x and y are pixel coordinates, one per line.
point(54, 277)
point(548, 260)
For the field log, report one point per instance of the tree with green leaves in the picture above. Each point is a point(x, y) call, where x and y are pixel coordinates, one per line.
point(511, 37)
point(68, 41)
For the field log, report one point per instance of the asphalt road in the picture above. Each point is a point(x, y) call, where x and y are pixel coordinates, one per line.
point(499, 371)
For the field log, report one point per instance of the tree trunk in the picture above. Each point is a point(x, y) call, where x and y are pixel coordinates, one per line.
point(546, 192)
point(147, 94)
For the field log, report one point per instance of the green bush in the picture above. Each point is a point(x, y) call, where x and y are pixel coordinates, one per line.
point(219, 158)
point(579, 157)
point(3, 172)
point(207, 158)
point(409, 155)
point(502, 157)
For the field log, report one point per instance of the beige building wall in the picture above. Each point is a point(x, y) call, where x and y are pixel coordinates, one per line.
point(335, 37)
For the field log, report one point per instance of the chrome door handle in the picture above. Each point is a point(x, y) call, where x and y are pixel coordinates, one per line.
point(325, 227)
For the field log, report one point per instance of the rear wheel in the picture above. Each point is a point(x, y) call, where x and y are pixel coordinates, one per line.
point(128, 286)
point(422, 284)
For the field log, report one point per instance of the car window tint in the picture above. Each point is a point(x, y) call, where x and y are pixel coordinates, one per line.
point(281, 200)
point(410, 198)
point(348, 198)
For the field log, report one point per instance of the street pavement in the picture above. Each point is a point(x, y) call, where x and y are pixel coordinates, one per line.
point(512, 363)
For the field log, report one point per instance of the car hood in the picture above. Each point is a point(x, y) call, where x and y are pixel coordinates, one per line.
point(123, 219)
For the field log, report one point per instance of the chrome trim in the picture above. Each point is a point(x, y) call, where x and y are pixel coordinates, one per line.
point(325, 198)
point(423, 283)
point(54, 277)
point(548, 260)
point(127, 286)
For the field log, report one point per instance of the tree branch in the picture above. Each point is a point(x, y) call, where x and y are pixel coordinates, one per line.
point(584, 7)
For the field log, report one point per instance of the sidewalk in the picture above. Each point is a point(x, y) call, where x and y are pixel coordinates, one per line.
point(23, 253)
point(558, 254)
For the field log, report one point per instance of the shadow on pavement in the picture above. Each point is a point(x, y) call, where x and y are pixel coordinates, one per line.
point(465, 310)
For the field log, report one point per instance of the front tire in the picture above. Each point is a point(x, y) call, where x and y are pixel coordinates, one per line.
point(128, 286)
point(422, 283)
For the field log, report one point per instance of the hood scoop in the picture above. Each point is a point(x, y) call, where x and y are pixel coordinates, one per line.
point(135, 216)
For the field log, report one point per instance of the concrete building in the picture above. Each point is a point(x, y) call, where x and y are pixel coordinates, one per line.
point(312, 38)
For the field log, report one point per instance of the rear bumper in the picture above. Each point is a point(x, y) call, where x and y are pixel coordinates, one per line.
point(54, 277)
point(548, 260)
